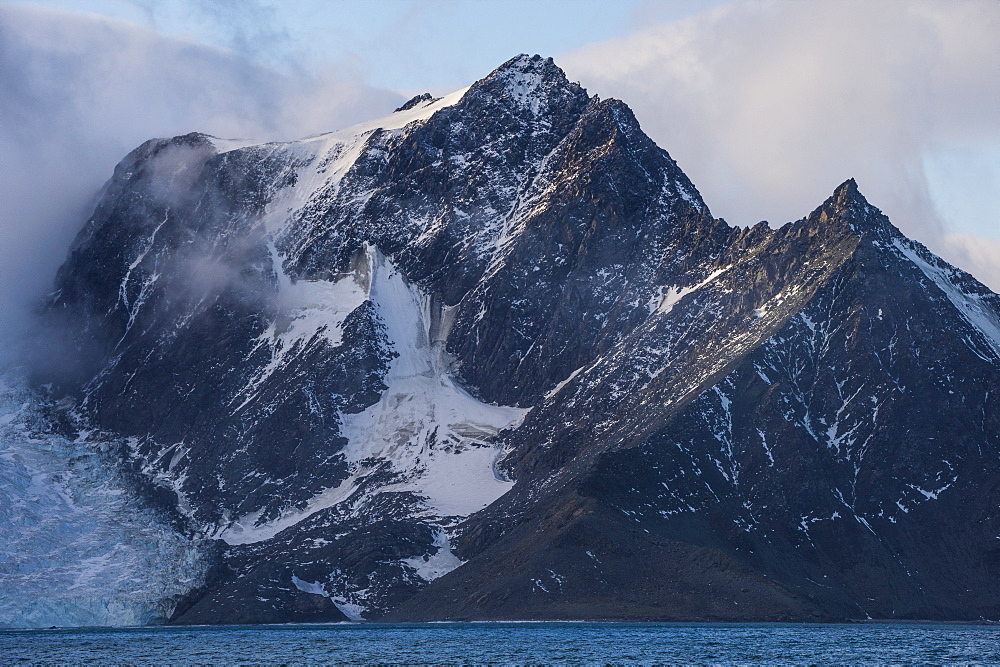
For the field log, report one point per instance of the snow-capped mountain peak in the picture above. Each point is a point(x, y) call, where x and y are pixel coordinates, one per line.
point(491, 356)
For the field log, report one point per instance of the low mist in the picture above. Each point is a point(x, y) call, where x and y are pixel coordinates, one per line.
point(78, 92)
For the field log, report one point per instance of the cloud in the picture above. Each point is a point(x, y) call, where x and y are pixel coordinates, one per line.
point(768, 106)
point(252, 28)
point(77, 92)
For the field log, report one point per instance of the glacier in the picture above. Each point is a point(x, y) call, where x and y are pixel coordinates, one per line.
point(79, 548)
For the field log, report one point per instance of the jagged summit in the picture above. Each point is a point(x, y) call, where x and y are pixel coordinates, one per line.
point(847, 207)
point(534, 66)
point(533, 84)
point(847, 197)
point(848, 188)
point(416, 100)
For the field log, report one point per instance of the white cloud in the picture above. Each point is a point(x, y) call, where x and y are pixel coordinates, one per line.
point(77, 92)
point(770, 105)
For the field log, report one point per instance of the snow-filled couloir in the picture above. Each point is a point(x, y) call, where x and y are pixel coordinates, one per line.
point(434, 436)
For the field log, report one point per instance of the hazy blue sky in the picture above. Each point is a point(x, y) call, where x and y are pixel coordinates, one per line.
point(767, 105)
point(398, 44)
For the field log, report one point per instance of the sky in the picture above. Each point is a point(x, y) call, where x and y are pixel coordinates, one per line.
point(766, 105)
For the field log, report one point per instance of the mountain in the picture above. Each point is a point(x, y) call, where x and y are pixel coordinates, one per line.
point(492, 357)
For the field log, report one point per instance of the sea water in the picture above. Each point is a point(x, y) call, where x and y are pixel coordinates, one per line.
point(509, 643)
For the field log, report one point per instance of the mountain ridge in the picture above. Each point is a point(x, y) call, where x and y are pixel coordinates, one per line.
point(492, 357)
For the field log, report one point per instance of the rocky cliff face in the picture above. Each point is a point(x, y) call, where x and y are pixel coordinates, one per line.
point(492, 357)
point(829, 457)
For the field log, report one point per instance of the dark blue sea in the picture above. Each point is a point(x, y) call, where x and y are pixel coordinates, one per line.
point(509, 643)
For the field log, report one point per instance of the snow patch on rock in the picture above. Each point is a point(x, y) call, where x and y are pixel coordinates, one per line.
point(437, 564)
point(667, 296)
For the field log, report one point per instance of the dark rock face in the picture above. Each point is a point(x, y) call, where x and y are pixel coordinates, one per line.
point(821, 463)
point(501, 330)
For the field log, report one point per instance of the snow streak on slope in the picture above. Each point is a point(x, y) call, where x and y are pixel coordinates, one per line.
point(978, 314)
point(401, 119)
point(308, 309)
point(323, 160)
point(668, 295)
point(77, 550)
